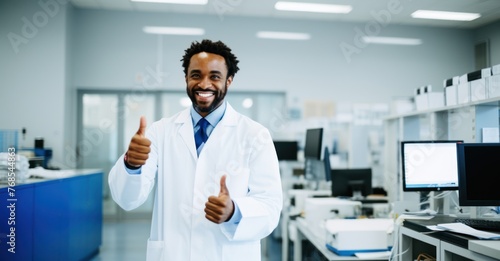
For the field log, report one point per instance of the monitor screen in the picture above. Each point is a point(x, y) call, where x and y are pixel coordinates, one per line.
point(351, 182)
point(313, 144)
point(286, 150)
point(478, 171)
point(326, 162)
point(429, 165)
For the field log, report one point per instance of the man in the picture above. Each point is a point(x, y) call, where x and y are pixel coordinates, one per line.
point(218, 189)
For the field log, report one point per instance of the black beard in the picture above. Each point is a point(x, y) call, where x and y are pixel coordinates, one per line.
point(219, 97)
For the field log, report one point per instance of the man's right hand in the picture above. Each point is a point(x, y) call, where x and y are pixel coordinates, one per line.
point(139, 147)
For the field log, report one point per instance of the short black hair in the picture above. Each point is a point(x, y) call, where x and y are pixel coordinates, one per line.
point(209, 46)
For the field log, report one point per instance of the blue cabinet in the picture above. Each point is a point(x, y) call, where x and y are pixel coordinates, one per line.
point(55, 219)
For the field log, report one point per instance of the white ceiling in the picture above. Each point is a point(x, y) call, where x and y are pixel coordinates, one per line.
point(363, 10)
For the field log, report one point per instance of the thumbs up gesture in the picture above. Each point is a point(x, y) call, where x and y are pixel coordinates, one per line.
point(220, 208)
point(139, 146)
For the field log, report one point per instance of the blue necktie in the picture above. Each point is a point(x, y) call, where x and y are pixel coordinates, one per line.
point(201, 135)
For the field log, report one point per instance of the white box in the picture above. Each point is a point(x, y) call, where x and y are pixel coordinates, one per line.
point(486, 72)
point(478, 90)
point(317, 210)
point(454, 81)
point(463, 79)
point(435, 99)
point(463, 92)
point(490, 135)
point(421, 102)
point(493, 86)
point(345, 237)
point(300, 195)
point(495, 69)
point(451, 95)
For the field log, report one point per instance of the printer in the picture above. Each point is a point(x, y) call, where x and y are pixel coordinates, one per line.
point(345, 237)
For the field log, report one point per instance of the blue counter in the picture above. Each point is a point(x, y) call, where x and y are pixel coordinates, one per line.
point(55, 219)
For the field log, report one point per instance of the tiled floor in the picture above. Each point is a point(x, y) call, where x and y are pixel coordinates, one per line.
point(126, 241)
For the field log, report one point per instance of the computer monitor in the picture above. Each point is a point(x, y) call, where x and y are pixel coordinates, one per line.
point(286, 150)
point(429, 165)
point(326, 162)
point(313, 143)
point(478, 172)
point(351, 182)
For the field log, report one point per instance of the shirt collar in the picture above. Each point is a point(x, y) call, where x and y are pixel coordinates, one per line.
point(213, 118)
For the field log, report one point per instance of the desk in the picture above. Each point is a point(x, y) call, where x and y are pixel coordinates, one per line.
point(55, 219)
point(299, 196)
point(303, 232)
point(443, 245)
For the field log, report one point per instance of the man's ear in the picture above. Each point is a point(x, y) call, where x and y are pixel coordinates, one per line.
point(229, 81)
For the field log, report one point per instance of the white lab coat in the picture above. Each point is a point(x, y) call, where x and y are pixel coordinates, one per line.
point(239, 148)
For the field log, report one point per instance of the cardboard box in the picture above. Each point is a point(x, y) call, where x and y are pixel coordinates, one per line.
point(345, 237)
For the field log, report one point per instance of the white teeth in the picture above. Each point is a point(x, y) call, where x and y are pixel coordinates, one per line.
point(205, 95)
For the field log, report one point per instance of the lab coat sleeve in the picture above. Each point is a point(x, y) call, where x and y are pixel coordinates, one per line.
point(130, 191)
point(261, 208)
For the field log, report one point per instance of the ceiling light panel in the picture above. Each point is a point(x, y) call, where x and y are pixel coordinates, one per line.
point(442, 15)
point(312, 7)
point(283, 35)
point(391, 40)
point(183, 2)
point(173, 30)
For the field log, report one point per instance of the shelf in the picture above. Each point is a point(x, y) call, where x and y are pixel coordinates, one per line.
point(413, 243)
point(487, 102)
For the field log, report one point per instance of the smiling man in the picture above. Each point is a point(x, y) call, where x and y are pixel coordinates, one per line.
point(218, 188)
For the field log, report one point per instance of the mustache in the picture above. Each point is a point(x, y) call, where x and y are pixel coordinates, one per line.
point(198, 89)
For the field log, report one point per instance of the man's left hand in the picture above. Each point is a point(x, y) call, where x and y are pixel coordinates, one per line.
point(219, 209)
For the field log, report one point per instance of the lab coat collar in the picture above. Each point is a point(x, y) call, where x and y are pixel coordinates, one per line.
point(186, 126)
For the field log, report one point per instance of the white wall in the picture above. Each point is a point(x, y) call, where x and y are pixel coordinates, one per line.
point(106, 49)
point(111, 50)
point(490, 32)
point(33, 71)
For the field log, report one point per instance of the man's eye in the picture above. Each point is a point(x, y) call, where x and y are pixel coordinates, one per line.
point(215, 77)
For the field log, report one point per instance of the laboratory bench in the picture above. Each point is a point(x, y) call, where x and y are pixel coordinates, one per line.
point(415, 238)
point(52, 219)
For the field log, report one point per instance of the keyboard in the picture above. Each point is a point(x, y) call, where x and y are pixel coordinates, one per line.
point(480, 224)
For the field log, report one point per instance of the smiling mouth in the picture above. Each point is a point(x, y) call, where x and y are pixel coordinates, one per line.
point(205, 94)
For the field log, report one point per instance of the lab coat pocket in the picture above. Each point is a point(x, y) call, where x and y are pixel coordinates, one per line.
point(241, 251)
point(155, 250)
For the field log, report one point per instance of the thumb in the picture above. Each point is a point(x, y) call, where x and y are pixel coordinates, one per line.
point(142, 126)
point(223, 187)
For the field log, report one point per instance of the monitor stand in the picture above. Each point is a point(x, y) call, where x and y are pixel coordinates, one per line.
point(357, 195)
point(442, 201)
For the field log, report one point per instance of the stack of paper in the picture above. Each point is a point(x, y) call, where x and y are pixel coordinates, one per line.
point(464, 229)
